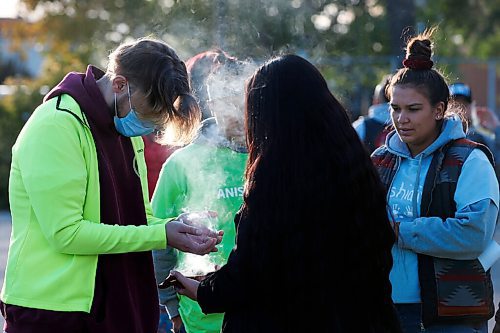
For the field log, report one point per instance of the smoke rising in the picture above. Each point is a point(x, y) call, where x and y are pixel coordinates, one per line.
point(226, 93)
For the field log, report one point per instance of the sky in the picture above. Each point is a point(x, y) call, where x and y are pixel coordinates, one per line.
point(8, 8)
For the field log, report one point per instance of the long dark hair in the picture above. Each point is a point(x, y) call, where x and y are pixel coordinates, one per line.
point(313, 197)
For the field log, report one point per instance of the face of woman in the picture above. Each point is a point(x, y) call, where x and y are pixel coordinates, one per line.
point(228, 112)
point(415, 119)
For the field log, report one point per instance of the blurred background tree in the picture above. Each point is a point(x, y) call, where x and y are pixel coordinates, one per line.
point(354, 42)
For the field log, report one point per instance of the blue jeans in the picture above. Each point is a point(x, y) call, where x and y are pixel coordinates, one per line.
point(411, 322)
point(165, 325)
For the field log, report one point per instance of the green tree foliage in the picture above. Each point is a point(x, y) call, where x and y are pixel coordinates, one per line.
point(317, 29)
point(469, 28)
point(255, 28)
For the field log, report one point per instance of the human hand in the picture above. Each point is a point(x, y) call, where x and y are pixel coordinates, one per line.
point(487, 118)
point(190, 238)
point(171, 281)
point(176, 324)
point(203, 221)
point(189, 286)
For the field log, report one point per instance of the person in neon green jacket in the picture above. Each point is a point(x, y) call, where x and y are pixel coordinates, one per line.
point(207, 174)
point(82, 224)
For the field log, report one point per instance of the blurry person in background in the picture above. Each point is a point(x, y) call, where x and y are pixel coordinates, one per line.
point(484, 126)
point(199, 68)
point(313, 237)
point(155, 155)
point(443, 197)
point(374, 128)
point(207, 174)
point(79, 257)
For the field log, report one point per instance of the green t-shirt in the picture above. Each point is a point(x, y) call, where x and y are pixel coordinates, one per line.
point(195, 178)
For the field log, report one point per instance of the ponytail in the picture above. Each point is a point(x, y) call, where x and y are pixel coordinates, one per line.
point(183, 124)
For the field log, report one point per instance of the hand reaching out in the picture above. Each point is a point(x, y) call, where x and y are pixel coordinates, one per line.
point(190, 238)
point(188, 233)
point(200, 221)
point(189, 286)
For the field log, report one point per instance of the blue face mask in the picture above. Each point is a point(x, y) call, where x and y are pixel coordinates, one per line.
point(131, 125)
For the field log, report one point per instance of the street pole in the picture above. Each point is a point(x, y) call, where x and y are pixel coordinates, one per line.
point(401, 14)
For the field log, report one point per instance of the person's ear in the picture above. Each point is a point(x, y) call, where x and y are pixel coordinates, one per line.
point(119, 84)
point(439, 111)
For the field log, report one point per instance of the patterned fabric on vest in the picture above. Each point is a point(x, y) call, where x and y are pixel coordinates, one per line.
point(451, 290)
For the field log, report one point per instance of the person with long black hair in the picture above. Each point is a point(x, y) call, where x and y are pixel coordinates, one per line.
point(313, 237)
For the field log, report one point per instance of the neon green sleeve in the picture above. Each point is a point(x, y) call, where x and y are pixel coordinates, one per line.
point(167, 202)
point(53, 158)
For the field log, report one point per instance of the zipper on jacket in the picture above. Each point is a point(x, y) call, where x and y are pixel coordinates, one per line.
point(416, 189)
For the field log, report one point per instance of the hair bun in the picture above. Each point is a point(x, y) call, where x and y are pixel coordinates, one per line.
point(418, 53)
point(418, 63)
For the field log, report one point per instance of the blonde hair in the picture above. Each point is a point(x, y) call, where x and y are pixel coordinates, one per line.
point(154, 67)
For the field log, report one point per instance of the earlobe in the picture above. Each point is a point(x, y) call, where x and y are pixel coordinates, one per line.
point(439, 111)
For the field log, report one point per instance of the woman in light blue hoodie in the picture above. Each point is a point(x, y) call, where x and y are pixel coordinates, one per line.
point(443, 199)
